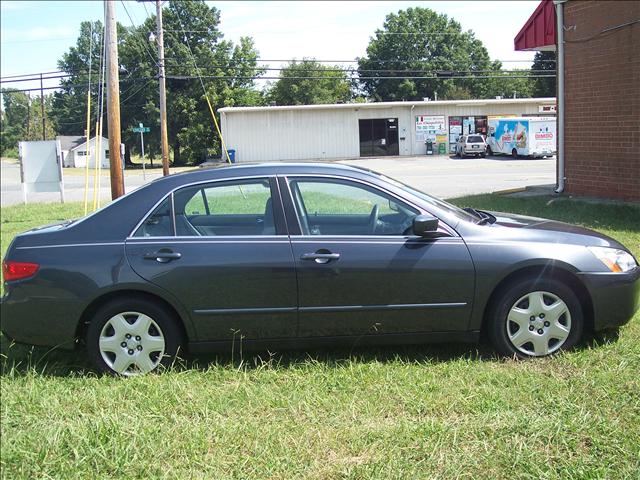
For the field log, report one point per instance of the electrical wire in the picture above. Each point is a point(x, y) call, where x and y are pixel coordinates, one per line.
point(146, 48)
point(206, 95)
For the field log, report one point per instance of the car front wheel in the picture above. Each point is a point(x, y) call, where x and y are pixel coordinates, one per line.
point(132, 337)
point(535, 318)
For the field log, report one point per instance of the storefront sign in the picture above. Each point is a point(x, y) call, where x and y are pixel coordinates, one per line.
point(429, 127)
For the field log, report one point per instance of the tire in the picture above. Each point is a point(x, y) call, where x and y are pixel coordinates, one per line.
point(557, 325)
point(514, 153)
point(133, 336)
point(483, 155)
point(489, 151)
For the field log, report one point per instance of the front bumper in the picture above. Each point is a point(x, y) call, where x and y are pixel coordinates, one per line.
point(615, 297)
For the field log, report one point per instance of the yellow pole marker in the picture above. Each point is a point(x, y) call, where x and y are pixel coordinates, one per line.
point(86, 169)
point(215, 122)
point(96, 162)
point(99, 157)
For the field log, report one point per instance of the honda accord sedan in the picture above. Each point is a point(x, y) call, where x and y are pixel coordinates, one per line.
point(295, 255)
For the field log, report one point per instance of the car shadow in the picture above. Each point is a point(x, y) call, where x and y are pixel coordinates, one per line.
point(500, 158)
point(18, 360)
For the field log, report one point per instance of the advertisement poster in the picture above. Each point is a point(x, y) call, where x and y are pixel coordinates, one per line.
point(469, 125)
point(511, 134)
point(429, 127)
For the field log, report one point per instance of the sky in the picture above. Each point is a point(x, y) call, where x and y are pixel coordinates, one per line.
point(35, 34)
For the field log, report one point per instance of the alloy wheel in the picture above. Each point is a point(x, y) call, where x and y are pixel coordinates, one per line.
point(131, 343)
point(538, 323)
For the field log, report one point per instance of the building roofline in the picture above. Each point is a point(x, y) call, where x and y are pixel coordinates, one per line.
point(337, 106)
point(84, 143)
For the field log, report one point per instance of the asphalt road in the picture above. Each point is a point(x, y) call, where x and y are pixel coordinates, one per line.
point(441, 176)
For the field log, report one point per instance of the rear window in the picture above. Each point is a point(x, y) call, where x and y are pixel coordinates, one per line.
point(475, 139)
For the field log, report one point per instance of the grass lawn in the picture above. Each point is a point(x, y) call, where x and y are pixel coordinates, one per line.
point(447, 411)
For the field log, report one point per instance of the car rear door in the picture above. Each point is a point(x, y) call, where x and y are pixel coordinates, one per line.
point(222, 249)
point(362, 275)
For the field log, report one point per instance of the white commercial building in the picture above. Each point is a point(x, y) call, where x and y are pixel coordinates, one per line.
point(354, 130)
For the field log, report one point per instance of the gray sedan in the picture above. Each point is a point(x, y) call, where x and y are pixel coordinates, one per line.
point(295, 255)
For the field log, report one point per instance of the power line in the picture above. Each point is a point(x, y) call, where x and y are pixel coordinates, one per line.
point(280, 69)
point(271, 60)
point(146, 49)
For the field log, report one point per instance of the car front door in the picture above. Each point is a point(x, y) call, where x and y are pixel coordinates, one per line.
point(361, 272)
point(222, 249)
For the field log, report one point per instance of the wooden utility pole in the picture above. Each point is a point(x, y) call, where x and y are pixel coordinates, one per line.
point(113, 101)
point(164, 136)
point(44, 121)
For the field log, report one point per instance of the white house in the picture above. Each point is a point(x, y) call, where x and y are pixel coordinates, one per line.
point(75, 151)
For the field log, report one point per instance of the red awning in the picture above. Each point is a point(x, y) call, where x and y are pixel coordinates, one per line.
point(539, 33)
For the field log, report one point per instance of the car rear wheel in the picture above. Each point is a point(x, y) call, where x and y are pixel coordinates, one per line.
point(535, 318)
point(132, 337)
point(514, 153)
point(489, 151)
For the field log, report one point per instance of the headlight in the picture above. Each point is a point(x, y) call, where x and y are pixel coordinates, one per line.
point(616, 260)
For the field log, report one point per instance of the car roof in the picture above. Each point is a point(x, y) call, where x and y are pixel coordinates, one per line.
point(265, 168)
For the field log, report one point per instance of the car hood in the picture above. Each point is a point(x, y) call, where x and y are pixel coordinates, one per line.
point(523, 228)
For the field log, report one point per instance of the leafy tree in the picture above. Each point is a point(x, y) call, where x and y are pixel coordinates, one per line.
point(418, 42)
point(544, 63)
point(309, 82)
point(508, 84)
point(190, 28)
point(22, 120)
point(69, 112)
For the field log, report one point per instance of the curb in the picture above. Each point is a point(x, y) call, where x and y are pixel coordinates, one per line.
point(509, 190)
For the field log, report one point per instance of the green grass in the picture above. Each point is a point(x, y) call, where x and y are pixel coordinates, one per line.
point(448, 411)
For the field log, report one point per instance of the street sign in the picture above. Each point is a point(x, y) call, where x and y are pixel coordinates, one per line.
point(141, 129)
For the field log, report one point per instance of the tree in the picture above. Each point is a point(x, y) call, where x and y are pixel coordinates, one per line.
point(22, 120)
point(191, 28)
point(310, 83)
point(544, 63)
point(69, 113)
point(418, 42)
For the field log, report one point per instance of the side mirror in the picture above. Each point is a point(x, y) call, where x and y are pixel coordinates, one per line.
point(424, 225)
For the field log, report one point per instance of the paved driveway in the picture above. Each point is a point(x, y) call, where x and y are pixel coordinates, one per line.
point(447, 177)
point(440, 176)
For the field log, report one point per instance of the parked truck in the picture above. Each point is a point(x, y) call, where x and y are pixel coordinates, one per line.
point(521, 136)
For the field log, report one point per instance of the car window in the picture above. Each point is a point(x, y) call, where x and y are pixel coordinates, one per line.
point(231, 208)
point(474, 139)
point(337, 207)
point(159, 223)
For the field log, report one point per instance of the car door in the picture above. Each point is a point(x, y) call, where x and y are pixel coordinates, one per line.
point(359, 270)
point(222, 249)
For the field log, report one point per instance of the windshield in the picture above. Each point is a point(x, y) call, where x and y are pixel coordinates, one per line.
point(475, 139)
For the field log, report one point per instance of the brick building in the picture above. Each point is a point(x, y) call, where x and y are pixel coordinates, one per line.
point(601, 43)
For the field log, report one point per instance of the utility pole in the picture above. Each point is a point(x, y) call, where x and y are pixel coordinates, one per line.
point(113, 100)
point(44, 121)
point(164, 136)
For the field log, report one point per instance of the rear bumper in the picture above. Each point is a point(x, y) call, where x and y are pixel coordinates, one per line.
point(474, 151)
point(615, 297)
point(37, 321)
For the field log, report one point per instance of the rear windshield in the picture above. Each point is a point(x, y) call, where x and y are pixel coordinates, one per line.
point(474, 139)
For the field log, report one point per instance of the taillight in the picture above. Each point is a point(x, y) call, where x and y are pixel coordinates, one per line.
point(18, 270)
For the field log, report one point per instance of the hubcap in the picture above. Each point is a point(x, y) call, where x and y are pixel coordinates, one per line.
point(131, 343)
point(538, 323)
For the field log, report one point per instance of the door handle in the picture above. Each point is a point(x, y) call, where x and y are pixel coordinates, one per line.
point(320, 257)
point(162, 256)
